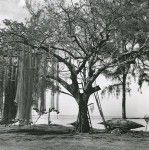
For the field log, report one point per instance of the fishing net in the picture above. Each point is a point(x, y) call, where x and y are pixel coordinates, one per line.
point(39, 90)
point(55, 85)
point(25, 88)
point(1, 88)
point(9, 90)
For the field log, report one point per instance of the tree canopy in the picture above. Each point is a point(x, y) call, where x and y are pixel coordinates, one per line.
point(86, 39)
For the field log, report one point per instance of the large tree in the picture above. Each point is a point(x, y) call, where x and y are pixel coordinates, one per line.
point(75, 36)
point(81, 38)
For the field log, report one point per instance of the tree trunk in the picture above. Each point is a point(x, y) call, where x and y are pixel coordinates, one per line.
point(124, 97)
point(83, 114)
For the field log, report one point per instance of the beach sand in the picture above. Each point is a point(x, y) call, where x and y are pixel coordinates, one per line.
point(57, 137)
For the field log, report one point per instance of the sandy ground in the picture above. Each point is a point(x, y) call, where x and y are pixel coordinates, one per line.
point(61, 138)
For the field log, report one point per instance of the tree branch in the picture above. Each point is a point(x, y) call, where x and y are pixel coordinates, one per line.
point(65, 93)
point(81, 66)
point(78, 43)
point(70, 67)
point(62, 82)
point(64, 50)
point(94, 89)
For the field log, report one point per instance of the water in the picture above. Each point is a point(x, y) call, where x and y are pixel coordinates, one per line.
point(67, 119)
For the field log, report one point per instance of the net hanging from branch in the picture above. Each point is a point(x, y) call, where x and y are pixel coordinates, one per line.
point(40, 65)
point(42, 83)
point(1, 89)
point(31, 86)
point(36, 89)
point(55, 86)
point(25, 88)
point(9, 90)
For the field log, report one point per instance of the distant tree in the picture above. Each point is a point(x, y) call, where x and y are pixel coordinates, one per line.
point(131, 35)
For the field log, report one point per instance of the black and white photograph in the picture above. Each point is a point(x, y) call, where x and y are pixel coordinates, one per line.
point(74, 75)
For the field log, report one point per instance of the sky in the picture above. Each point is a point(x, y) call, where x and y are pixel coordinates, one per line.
point(12, 9)
point(137, 103)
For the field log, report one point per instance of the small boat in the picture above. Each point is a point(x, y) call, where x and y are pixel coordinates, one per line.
point(122, 124)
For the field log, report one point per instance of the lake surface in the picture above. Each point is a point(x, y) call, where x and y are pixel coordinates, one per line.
point(67, 119)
